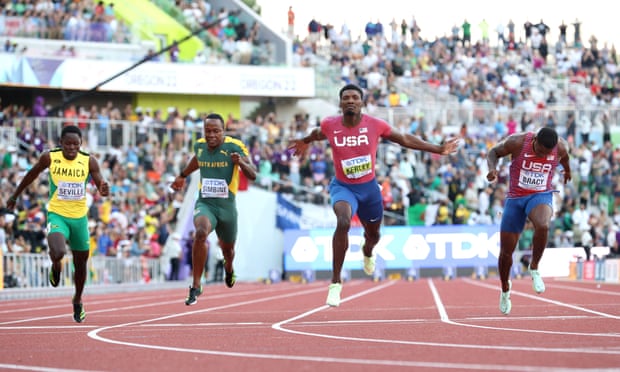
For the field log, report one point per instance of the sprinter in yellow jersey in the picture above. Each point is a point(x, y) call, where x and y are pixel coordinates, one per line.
point(219, 159)
point(70, 169)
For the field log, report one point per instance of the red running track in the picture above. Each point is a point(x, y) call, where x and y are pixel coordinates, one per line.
point(425, 325)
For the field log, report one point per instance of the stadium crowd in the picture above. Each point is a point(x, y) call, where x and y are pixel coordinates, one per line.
point(228, 40)
point(419, 189)
point(63, 20)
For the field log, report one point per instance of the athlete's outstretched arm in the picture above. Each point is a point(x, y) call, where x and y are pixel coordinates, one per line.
point(42, 164)
point(300, 145)
point(416, 143)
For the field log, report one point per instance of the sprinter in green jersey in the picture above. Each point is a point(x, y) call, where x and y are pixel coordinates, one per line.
point(219, 158)
point(70, 169)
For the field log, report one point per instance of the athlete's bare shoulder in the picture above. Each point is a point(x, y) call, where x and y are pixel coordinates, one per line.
point(563, 147)
point(509, 145)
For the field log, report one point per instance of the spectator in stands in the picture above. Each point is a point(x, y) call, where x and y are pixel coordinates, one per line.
point(614, 250)
point(291, 23)
point(577, 38)
point(70, 171)
point(103, 240)
point(534, 159)
point(8, 46)
point(215, 208)
point(174, 250)
point(229, 47)
point(416, 212)
point(468, 68)
point(314, 33)
point(152, 56)
point(38, 110)
point(354, 138)
point(173, 52)
point(466, 26)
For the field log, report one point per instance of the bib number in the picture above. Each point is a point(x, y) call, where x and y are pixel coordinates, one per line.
point(214, 188)
point(70, 191)
point(357, 167)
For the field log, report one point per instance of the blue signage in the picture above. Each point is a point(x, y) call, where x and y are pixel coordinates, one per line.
point(400, 247)
point(287, 214)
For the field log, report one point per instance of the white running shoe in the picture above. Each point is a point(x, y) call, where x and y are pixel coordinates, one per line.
point(333, 294)
point(537, 282)
point(369, 265)
point(505, 305)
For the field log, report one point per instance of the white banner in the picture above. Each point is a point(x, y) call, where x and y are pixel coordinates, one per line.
point(158, 77)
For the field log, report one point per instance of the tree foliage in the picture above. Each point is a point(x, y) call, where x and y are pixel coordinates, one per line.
point(253, 5)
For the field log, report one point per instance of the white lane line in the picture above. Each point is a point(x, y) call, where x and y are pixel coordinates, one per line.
point(95, 333)
point(543, 299)
point(194, 325)
point(374, 362)
point(278, 325)
point(474, 366)
point(25, 328)
point(37, 368)
point(140, 306)
point(585, 289)
point(444, 318)
point(65, 303)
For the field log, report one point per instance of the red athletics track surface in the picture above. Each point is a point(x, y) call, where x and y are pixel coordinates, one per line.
point(426, 325)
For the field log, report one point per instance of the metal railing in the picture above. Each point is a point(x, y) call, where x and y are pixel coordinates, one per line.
point(31, 270)
point(478, 118)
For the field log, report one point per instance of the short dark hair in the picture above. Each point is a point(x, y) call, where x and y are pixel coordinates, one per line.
point(351, 87)
point(215, 116)
point(70, 129)
point(547, 137)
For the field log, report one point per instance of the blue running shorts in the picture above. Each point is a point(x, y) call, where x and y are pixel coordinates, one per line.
point(364, 198)
point(516, 210)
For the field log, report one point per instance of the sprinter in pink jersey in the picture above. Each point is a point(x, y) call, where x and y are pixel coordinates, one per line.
point(354, 138)
point(535, 157)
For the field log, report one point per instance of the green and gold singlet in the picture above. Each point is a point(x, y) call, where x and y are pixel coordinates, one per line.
point(218, 186)
point(219, 176)
point(68, 180)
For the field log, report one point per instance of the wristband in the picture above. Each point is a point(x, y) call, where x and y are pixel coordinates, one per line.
point(11, 198)
point(182, 175)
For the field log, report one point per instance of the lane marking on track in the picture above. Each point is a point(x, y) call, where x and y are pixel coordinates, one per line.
point(72, 327)
point(444, 318)
point(543, 299)
point(374, 362)
point(133, 307)
point(58, 305)
point(193, 325)
point(95, 334)
point(585, 289)
point(37, 368)
point(278, 326)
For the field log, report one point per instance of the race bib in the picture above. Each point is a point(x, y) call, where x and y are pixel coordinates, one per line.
point(214, 188)
point(70, 191)
point(357, 167)
point(535, 181)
